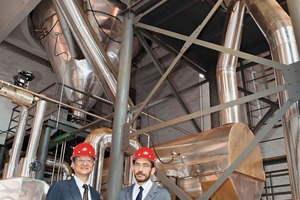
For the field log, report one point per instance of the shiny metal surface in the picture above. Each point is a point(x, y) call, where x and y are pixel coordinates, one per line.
point(226, 66)
point(23, 189)
point(65, 57)
point(17, 144)
point(110, 33)
point(65, 168)
point(90, 45)
point(277, 26)
point(101, 139)
point(198, 161)
point(18, 97)
point(34, 138)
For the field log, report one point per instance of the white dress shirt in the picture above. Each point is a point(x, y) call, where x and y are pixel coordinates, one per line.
point(81, 189)
point(146, 186)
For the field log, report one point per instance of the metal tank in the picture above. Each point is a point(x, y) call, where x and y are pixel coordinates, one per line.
point(197, 161)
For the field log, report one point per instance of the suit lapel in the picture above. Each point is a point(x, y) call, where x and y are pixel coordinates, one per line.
point(73, 189)
point(94, 194)
point(129, 192)
point(152, 192)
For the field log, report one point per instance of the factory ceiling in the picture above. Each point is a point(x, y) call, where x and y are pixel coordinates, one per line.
point(175, 18)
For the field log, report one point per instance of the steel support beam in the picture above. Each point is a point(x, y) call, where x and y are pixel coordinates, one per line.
point(210, 110)
point(173, 51)
point(174, 188)
point(168, 81)
point(216, 47)
point(121, 106)
point(188, 42)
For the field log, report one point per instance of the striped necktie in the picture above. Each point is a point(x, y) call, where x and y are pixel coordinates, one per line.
point(85, 193)
point(140, 194)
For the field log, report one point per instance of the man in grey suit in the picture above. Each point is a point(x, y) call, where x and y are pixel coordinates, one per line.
point(144, 189)
point(77, 188)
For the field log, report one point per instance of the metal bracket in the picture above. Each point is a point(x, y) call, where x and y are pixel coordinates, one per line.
point(292, 79)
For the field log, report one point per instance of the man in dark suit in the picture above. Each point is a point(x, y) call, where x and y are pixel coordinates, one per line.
point(144, 189)
point(77, 188)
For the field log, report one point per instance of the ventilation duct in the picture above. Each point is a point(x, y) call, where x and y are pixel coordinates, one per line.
point(62, 28)
point(226, 67)
point(71, 71)
point(276, 25)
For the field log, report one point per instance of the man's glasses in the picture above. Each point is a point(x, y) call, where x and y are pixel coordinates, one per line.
point(139, 165)
point(88, 161)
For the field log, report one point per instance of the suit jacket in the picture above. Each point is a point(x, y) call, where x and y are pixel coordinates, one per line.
point(68, 190)
point(155, 193)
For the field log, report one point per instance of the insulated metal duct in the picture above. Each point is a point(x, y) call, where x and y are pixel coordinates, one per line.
point(17, 96)
point(226, 67)
point(89, 44)
point(64, 167)
point(82, 42)
point(68, 64)
point(34, 139)
point(101, 139)
point(17, 145)
point(276, 25)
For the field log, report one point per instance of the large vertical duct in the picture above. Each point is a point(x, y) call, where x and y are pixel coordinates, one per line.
point(82, 41)
point(226, 67)
point(64, 55)
point(276, 25)
point(17, 144)
point(107, 27)
point(34, 138)
point(89, 44)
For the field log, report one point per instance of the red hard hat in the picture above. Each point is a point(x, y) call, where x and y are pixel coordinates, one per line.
point(145, 152)
point(84, 149)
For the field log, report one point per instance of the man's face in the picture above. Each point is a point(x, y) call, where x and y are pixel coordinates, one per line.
point(83, 165)
point(142, 170)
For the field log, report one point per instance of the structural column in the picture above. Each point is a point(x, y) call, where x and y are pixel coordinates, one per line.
point(120, 112)
point(2, 156)
point(43, 151)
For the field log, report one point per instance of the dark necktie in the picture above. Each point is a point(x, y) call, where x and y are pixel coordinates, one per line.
point(140, 194)
point(85, 193)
